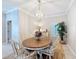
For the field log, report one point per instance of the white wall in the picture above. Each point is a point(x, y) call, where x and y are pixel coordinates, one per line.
point(3, 27)
point(24, 25)
point(71, 24)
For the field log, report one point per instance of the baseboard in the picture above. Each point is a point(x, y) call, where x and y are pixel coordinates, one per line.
point(70, 49)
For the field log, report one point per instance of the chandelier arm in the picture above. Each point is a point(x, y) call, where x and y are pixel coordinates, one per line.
point(39, 13)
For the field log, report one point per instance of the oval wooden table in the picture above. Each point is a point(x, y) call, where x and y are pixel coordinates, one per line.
point(33, 44)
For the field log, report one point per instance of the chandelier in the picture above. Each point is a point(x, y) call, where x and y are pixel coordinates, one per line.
point(39, 13)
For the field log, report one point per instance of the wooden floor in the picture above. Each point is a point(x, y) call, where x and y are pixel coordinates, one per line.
point(59, 52)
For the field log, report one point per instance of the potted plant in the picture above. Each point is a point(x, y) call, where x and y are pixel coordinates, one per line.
point(61, 29)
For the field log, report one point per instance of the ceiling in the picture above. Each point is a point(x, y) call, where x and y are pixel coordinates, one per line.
point(48, 7)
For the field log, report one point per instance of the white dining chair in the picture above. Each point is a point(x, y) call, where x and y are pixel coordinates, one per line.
point(50, 50)
point(21, 53)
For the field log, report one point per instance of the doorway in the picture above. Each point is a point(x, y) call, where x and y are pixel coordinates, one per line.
point(9, 31)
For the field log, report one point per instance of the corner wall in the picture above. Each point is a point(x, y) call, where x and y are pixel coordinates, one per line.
point(71, 26)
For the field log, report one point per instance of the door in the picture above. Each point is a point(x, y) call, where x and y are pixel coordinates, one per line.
point(9, 31)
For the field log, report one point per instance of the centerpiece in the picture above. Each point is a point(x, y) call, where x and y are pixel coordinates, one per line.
point(38, 34)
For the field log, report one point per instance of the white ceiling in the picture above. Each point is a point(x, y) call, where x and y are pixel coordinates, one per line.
point(48, 7)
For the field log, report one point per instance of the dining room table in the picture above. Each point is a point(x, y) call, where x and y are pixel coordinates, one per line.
point(37, 45)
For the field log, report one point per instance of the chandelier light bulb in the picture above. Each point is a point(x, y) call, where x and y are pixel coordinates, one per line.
point(39, 14)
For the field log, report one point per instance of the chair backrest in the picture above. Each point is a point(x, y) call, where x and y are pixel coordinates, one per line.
point(55, 42)
point(14, 46)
